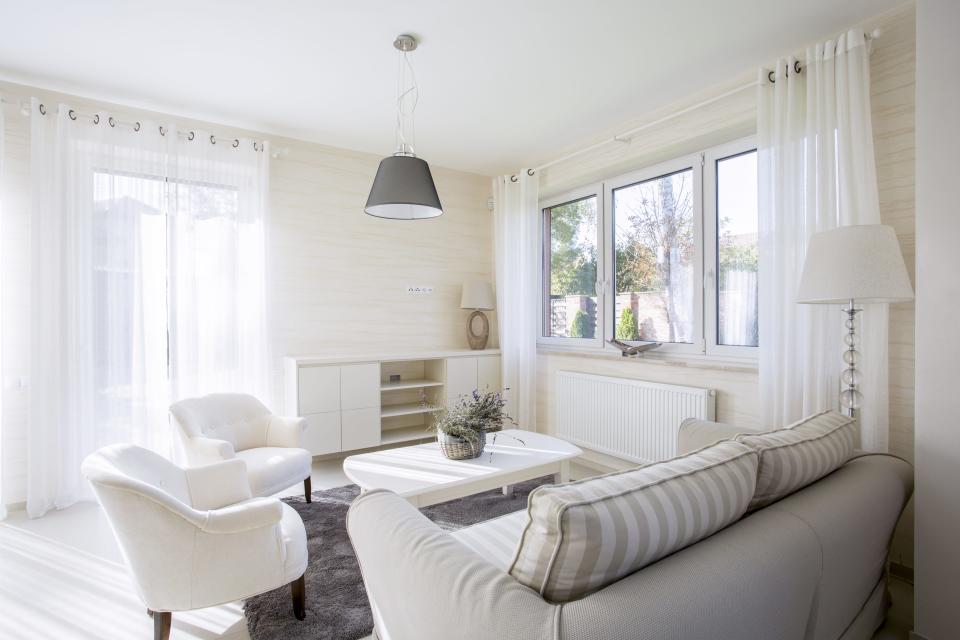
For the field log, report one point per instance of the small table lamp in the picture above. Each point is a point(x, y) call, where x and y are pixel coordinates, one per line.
point(477, 295)
point(853, 264)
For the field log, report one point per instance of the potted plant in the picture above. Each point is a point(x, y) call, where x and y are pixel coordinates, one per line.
point(462, 427)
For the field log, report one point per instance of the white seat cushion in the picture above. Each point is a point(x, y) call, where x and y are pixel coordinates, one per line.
point(495, 540)
point(294, 544)
point(272, 469)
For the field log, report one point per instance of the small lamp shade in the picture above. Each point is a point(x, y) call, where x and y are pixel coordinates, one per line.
point(403, 190)
point(477, 295)
point(861, 262)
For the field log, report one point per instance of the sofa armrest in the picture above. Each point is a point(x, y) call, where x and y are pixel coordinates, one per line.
point(200, 450)
point(423, 584)
point(217, 485)
point(285, 432)
point(696, 434)
point(244, 516)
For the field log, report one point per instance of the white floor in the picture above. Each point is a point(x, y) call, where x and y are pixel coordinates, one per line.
point(61, 576)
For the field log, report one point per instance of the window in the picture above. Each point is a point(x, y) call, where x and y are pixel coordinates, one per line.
point(570, 254)
point(677, 257)
point(734, 249)
point(655, 231)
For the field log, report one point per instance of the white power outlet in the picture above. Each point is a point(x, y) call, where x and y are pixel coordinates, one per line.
point(420, 290)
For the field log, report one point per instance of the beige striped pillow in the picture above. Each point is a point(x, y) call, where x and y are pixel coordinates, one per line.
point(800, 454)
point(582, 536)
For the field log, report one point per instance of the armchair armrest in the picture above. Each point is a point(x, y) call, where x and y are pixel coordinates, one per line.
point(696, 434)
point(448, 591)
point(200, 450)
point(217, 485)
point(244, 516)
point(285, 432)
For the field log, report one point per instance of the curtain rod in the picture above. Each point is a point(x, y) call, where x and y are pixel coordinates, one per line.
point(25, 110)
point(626, 136)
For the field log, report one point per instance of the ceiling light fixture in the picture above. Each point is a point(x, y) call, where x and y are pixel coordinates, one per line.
point(403, 188)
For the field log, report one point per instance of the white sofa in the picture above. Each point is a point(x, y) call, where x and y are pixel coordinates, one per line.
point(222, 426)
point(195, 537)
point(809, 567)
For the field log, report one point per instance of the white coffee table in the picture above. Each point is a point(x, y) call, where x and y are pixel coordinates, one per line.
point(422, 474)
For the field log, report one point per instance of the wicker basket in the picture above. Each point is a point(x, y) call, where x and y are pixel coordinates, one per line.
point(459, 448)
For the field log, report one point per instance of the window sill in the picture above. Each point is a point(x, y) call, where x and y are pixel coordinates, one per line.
point(689, 360)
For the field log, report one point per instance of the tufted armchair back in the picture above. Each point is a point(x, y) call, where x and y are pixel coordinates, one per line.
point(237, 418)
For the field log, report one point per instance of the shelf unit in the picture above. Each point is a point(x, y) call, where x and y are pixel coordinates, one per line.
point(354, 403)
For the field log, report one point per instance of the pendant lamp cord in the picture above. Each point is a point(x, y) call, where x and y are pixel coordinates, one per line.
point(408, 95)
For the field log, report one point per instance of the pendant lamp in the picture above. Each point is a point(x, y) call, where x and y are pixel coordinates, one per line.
point(403, 188)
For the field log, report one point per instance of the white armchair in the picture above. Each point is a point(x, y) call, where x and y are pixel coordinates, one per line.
point(222, 426)
point(195, 537)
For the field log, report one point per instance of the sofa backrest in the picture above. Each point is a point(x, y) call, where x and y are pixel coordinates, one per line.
point(799, 569)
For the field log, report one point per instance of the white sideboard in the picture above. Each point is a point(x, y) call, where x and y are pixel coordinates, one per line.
point(358, 402)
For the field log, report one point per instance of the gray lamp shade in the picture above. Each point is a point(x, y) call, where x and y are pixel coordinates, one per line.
point(403, 190)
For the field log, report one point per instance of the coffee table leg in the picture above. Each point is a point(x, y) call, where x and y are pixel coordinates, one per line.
point(508, 491)
point(563, 475)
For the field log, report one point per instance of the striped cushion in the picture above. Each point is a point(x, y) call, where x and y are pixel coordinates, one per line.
point(800, 454)
point(582, 536)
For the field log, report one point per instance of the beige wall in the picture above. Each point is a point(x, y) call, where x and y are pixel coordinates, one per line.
point(938, 343)
point(892, 67)
point(338, 276)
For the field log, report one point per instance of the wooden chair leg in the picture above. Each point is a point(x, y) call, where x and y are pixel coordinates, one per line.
point(161, 625)
point(307, 490)
point(298, 589)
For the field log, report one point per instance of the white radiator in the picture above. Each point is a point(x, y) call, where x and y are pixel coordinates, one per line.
point(627, 418)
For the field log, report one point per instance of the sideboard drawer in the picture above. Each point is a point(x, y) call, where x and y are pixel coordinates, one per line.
point(322, 434)
point(318, 389)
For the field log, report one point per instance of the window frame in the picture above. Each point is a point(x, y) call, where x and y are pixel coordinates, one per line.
point(704, 203)
point(711, 253)
point(689, 162)
point(580, 193)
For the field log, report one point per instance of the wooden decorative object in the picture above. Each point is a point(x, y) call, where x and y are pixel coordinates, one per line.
point(478, 341)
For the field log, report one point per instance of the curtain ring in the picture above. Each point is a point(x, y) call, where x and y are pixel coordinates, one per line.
point(529, 172)
point(111, 121)
point(96, 118)
point(72, 114)
point(796, 66)
point(255, 146)
point(213, 140)
point(190, 136)
point(136, 126)
point(236, 143)
point(162, 132)
point(42, 109)
point(513, 178)
point(770, 77)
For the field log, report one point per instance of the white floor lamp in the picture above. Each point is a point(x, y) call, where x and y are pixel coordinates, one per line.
point(847, 265)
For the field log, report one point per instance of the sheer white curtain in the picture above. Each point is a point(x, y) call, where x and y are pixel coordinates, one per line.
point(817, 172)
point(518, 296)
point(218, 274)
point(118, 217)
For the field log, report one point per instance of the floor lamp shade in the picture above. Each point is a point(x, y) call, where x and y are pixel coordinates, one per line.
point(860, 262)
point(403, 190)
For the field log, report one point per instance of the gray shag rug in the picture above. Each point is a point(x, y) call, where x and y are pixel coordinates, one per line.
point(337, 605)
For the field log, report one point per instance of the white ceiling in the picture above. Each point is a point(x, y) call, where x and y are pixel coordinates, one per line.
point(503, 83)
